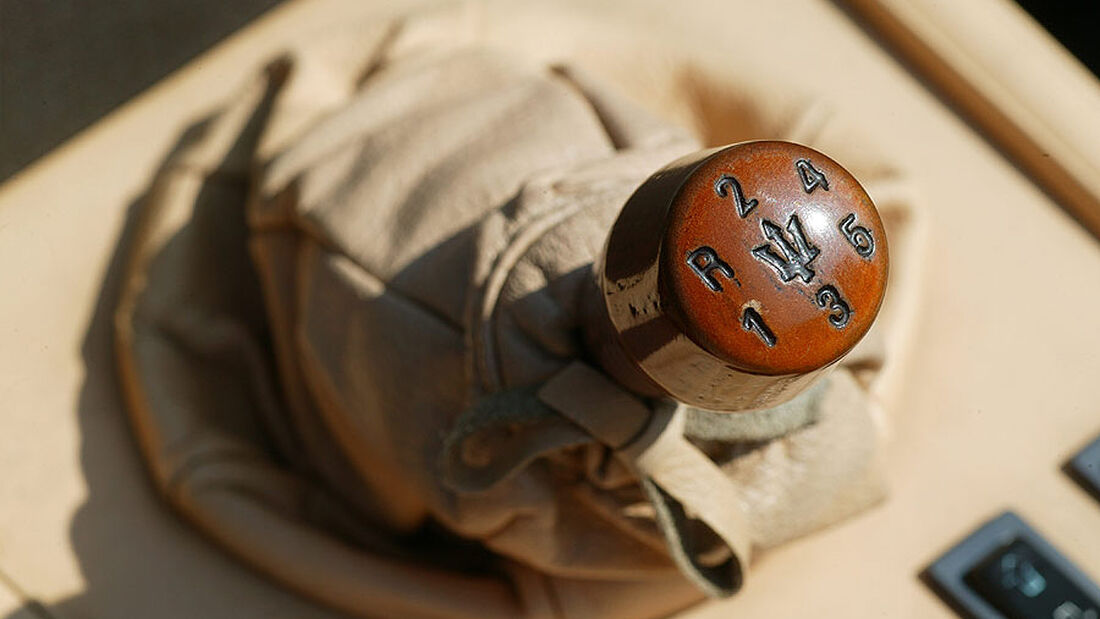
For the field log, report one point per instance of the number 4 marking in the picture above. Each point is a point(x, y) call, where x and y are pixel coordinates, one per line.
point(811, 177)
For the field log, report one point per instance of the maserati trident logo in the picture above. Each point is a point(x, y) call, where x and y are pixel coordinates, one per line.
point(797, 252)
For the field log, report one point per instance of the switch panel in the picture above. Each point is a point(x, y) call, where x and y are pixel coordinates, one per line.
point(1085, 468)
point(1005, 570)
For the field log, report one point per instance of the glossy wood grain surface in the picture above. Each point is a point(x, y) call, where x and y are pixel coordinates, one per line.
point(735, 276)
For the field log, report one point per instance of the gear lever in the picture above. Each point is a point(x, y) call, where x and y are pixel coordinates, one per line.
point(734, 277)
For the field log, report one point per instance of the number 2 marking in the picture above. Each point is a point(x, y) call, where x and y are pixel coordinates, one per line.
point(828, 297)
point(727, 184)
point(811, 177)
point(751, 320)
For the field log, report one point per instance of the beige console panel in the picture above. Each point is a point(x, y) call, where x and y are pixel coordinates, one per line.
point(1002, 385)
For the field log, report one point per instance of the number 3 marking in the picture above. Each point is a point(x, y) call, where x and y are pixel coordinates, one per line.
point(828, 297)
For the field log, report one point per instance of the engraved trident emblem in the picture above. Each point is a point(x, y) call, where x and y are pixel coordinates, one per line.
point(798, 253)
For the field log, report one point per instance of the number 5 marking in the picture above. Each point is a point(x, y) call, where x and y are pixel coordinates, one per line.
point(858, 236)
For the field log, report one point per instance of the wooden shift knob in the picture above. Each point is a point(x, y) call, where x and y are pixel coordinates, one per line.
point(735, 276)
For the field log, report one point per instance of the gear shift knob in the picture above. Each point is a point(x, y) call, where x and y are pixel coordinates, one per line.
point(734, 277)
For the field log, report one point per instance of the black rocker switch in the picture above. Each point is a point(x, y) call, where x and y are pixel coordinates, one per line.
point(1006, 570)
point(1023, 584)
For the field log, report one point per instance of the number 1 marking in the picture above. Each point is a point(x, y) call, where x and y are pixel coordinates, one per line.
point(751, 320)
